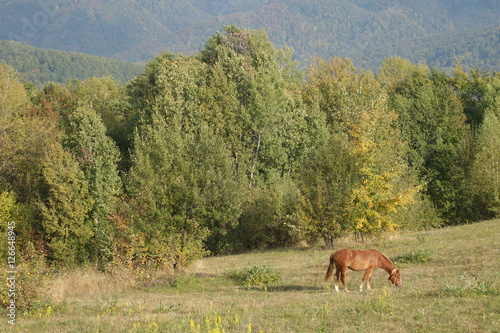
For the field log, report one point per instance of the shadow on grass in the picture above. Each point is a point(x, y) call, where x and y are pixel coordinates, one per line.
point(289, 288)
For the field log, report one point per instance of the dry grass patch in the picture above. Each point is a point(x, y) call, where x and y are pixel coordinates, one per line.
point(88, 282)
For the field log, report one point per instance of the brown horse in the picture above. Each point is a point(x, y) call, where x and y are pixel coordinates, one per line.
point(361, 260)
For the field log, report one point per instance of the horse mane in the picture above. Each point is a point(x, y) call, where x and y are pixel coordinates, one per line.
point(384, 256)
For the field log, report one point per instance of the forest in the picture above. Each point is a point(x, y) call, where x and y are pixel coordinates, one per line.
point(437, 33)
point(40, 66)
point(237, 148)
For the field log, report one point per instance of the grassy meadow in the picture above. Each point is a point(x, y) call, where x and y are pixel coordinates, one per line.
point(450, 284)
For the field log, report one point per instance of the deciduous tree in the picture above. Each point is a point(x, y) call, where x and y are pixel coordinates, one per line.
point(98, 158)
point(65, 206)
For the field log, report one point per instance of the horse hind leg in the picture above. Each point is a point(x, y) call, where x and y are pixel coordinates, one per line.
point(337, 275)
point(343, 279)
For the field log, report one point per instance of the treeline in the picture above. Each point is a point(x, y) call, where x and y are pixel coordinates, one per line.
point(40, 66)
point(235, 148)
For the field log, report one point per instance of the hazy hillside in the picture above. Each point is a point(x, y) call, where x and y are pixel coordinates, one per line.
point(365, 30)
point(41, 65)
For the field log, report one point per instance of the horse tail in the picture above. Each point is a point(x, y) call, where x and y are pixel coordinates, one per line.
point(330, 269)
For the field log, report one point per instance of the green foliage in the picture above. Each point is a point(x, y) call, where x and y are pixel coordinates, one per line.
point(31, 280)
point(363, 180)
point(7, 206)
point(420, 216)
point(109, 100)
point(65, 206)
point(261, 119)
point(231, 150)
point(182, 179)
point(486, 166)
point(17, 139)
point(98, 158)
point(165, 195)
point(257, 275)
point(327, 179)
point(268, 218)
point(432, 122)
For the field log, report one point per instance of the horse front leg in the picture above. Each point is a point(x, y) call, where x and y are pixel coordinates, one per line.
point(367, 277)
point(368, 283)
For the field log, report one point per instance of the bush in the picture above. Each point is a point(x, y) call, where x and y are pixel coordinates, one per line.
point(31, 278)
point(415, 257)
point(256, 276)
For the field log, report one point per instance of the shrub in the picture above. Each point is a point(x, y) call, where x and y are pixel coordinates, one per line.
point(256, 276)
point(419, 256)
point(31, 279)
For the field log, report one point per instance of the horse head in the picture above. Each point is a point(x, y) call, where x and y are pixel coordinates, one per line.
point(395, 277)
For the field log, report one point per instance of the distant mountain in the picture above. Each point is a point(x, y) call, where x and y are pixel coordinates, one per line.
point(367, 31)
point(42, 65)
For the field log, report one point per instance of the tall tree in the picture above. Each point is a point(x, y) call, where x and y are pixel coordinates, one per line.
point(327, 179)
point(253, 99)
point(23, 138)
point(431, 120)
point(182, 182)
point(65, 206)
point(370, 182)
point(16, 143)
point(261, 119)
point(486, 167)
point(98, 158)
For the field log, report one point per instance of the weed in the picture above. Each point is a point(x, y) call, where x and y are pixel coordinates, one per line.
point(470, 286)
point(164, 308)
point(215, 323)
point(379, 302)
point(110, 306)
point(423, 238)
point(383, 303)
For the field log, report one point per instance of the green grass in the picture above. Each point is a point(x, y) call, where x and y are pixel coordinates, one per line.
point(450, 284)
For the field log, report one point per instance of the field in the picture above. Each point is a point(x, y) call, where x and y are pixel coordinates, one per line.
point(450, 284)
